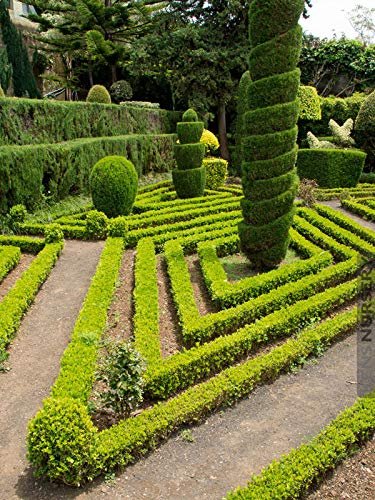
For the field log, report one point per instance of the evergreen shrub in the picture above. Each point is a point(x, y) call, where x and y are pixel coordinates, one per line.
point(309, 103)
point(216, 172)
point(365, 129)
point(99, 94)
point(121, 91)
point(114, 185)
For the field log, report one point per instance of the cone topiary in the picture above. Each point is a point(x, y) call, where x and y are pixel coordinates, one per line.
point(98, 93)
point(114, 186)
point(269, 148)
point(190, 176)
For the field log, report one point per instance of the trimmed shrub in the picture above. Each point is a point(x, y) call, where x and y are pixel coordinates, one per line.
point(331, 168)
point(98, 93)
point(190, 133)
point(2, 93)
point(190, 176)
point(121, 91)
point(96, 225)
point(60, 441)
point(216, 172)
point(210, 141)
point(309, 103)
point(53, 233)
point(118, 227)
point(17, 214)
point(114, 185)
point(365, 129)
point(189, 183)
point(271, 133)
point(190, 116)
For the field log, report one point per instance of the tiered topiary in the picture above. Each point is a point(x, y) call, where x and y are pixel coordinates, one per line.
point(114, 186)
point(243, 90)
point(269, 176)
point(190, 176)
point(98, 93)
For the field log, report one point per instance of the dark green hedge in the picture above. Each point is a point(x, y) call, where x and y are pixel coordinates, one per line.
point(331, 168)
point(61, 169)
point(30, 121)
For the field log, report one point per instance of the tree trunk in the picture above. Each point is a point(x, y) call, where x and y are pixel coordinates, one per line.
point(223, 138)
point(114, 73)
point(91, 78)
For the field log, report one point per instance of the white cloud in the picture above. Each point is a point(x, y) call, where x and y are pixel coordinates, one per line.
point(329, 17)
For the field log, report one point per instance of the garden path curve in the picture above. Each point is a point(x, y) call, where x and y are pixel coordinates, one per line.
point(36, 352)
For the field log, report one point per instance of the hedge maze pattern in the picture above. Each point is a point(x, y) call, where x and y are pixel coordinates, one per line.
point(260, 325)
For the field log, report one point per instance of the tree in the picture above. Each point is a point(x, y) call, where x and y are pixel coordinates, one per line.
point(338, 66)
point(89, 33)
point(269, 176)
point(362, 20)
point(200, 47)
point(24, 83)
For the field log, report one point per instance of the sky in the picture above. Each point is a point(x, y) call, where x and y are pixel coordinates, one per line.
point(330, 16)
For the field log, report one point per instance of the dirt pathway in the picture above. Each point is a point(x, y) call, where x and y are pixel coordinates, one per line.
point(234, 444)
point(337, 206)
point(35, 354)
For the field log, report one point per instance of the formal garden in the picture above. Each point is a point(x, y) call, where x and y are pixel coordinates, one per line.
point(177, 323)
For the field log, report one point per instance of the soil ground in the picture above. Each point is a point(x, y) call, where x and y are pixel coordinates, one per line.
point(35, 355)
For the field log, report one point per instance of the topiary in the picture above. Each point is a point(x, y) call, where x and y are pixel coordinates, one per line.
point(210, 141)
point(190, 176)
point(17, 214)
point(98, 93)
point(114, 185)
point(190, 115)
point(243, 89)
point(96, 225)
point(2, 93)
point(365, 129)
point(309, 103)
point(269, 145)
point(121, 91)
point(216, 172)
point(60, 441)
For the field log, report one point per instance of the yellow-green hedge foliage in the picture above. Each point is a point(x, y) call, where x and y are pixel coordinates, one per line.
point(216, 172)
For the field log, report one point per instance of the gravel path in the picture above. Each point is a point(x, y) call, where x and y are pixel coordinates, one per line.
point(36, 352)
point(234, 444)
point(337, 206)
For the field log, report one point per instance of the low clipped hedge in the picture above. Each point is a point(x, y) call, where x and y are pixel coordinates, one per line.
point(359, 209)
point(331, 168)
point(9, 258)
point(295, 473)
point(33, 121)
point(61, 169)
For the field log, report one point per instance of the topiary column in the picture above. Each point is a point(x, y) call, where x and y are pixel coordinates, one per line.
point(190, 176)
point(269, 145)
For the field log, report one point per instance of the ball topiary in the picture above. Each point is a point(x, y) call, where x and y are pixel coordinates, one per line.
point(190, 115)
point(60, 441)
point(53, 233)
point(365, 129)
point(269, 145)
point(96, 225)
point(121, 91)
point(98, 93)
point(114, 185)
point(190, 177)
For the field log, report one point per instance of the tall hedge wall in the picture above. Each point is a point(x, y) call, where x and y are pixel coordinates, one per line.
point(61, 169)
point(29, 121)
point(270, 131)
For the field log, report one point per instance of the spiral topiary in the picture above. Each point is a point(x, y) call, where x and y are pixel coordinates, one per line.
point(190, 176)
point(114, 185)
point(98, 93)
point(269, 176)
